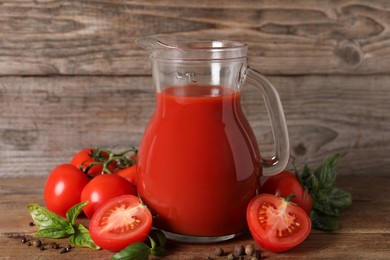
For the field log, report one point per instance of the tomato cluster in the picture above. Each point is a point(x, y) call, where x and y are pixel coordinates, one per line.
point(277, 218)
point(108, 182)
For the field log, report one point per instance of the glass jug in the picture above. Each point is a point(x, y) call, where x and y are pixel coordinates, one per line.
point(199, 163)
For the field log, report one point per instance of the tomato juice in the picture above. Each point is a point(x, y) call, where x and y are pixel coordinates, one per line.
point(199, 163)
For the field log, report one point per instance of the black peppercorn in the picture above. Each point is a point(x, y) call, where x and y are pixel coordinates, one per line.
point(37, 243)
point(23, 240)
point(63, 250)
point(42, 248)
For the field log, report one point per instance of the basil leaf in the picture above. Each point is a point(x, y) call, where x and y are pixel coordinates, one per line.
point(44, 218)
point(340, 198)
point(51, 232)
point(326, 173)
point(82, 238)
point(322, 221)
point(74, 211)
point(137, 250)
point(308, 180)
point(70, 230)
point(159, 235)
point(332, 201)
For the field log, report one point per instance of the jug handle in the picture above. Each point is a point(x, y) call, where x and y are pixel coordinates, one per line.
point(279, 161)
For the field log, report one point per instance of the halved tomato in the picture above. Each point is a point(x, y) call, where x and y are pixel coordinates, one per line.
point(276, 224)
point(120, 222)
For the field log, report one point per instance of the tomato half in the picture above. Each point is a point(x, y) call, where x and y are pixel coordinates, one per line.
point(63, 188)
point(275, 224)
point(103, 188)
point(83, 158)
point(286, 183)
point(119, 222)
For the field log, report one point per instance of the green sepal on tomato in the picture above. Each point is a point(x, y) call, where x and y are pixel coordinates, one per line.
point(277, 224)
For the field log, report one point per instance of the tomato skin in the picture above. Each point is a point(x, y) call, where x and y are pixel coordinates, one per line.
point(83, 158)
point(129, 173)
point(120, 222)
point(103, 188)
point(286, 183)
point(275, 224)
point(63, 188)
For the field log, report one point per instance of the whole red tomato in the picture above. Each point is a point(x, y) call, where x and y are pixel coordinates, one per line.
point(103, 188)
point(276, 224)
point(120, 222)
point(85, 157)
point(129, 173)
point(63, 188)
point(286, 183)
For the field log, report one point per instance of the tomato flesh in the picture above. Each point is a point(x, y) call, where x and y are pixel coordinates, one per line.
point(120, 222)
point(275, 224)
point(286, 183)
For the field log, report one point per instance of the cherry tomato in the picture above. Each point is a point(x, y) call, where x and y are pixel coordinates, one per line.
point(276, 224)
point(286, 183)
point(63, 188)
point(129, 173)
point(119, 222)
point(86, 156)
point(103, 188)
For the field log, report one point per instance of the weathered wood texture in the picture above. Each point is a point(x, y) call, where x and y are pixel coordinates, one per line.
point(285, 37)
point(45, 120)
point(364, 231)
point(71, 75)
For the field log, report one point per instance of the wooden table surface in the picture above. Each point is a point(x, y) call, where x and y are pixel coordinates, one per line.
point(364, 231)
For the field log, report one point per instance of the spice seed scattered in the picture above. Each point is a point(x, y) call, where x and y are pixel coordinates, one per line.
point(219, 252)
point(63, 250)
point(230, 256)
point(42, 248)
point(249, 249)
point(239, 250)
point(37, 243)
point(23, 240)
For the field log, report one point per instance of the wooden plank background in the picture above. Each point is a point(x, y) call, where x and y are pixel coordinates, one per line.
point(71, 75)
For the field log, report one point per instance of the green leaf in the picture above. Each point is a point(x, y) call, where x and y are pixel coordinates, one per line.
point(159, 235)
point(322, 221)
point(44, 218)
point(51, 232)
point(74, 211)
point(82, 238)
point(331, 201)
point(326, 172)
point(137, 250)
point(308, 180)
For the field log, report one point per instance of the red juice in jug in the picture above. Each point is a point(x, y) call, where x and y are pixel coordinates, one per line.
point(199, 162)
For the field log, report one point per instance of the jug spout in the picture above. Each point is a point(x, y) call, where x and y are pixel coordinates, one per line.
point(167, 47)
point(157, 44)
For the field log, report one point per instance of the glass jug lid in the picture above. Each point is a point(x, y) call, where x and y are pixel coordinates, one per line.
point(168, 47)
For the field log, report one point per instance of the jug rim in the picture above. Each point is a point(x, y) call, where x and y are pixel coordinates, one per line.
point(165, 47)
